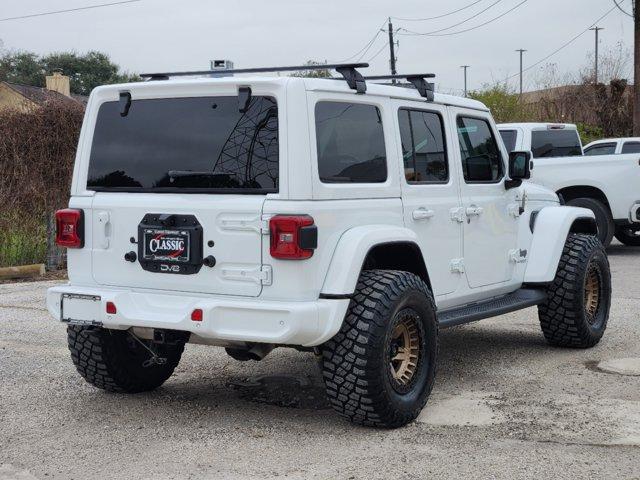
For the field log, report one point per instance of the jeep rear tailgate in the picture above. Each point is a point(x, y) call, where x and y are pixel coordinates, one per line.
point(179, 190)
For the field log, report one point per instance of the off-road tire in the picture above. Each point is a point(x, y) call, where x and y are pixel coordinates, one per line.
point(112, 359)
point(356, 363)
point(569, 317)
point(604, 219)
point(628, 236)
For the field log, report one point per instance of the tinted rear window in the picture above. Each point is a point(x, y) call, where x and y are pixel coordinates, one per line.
point(186, 144)
point(631, 147)
point(350, 143)
point(555, 143)
point(509, 138)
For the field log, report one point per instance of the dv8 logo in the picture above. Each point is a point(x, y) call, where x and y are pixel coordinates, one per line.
point(169, 268)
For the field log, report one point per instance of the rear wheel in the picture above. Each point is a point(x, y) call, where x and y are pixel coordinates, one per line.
point(577, 309)
point(629, 236)
point(380, 367)
point(604, 220)
point(118, 361)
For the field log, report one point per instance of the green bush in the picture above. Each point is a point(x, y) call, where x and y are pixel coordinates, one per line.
point(589, 133)
point(37, 150)
point(23, 242)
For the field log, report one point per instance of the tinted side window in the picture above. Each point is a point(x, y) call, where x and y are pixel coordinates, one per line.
point(631, 147)
point(423, 147)
point(481, 159)
point(350, 143)
point(555, 143)
point(509, 138)
point(601, 149)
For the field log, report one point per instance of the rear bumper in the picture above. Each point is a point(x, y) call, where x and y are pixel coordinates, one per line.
point(228, 319)
point(634, 213)
point(633, 218)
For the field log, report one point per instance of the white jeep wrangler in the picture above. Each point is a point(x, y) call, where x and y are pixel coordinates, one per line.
point(346, 217)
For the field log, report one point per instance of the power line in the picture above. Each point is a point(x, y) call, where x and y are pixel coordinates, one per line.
point(68, 10)
point(455, 24)
point(471, 28)
point(438, 16)
point(621, 9)
point(363, 51)
point(565, 45)
point(378, 52)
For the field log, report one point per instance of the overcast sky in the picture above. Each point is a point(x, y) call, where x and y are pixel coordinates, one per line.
point(152, 35)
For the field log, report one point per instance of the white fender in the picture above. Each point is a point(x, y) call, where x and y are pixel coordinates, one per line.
point(552, 226)
point(352, 250)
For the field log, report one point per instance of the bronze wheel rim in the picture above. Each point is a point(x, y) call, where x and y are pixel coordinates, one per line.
point(405, 349)
point(592, 294)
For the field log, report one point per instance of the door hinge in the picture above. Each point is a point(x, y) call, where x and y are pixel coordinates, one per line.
point(262, 275)
point(458, 214)
point(258, 224)
point(514, 210)
point(517, 255)
point(457, 265)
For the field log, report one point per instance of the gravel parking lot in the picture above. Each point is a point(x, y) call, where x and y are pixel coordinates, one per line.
point(505, 405)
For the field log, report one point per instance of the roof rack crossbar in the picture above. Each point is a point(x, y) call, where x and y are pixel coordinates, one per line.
point(418, 80)
point(354, 79)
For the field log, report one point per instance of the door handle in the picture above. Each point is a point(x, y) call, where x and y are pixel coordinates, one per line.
point(104, 220)
point(474, 211)
point(422, 214)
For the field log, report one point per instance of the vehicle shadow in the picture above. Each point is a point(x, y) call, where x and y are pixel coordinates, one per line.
point(253, 393)
point(618, 250)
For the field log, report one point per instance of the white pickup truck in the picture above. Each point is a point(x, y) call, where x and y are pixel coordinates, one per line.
point(610, 146)
point(609, 185)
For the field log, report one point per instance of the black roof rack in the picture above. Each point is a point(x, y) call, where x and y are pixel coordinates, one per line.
point(418, 80)
point(354, 79)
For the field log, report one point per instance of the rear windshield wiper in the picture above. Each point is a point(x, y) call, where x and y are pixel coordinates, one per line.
point(190, 173)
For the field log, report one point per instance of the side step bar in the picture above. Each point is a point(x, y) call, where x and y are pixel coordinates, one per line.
point(523, 298)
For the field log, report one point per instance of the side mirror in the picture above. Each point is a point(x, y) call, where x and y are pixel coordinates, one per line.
point(520, 165)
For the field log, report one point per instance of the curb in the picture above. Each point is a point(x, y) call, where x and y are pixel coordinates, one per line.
point(23, 271)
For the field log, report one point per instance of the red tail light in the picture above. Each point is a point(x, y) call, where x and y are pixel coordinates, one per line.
point(111, 308)
point(197, 315)
point(293, 237)
point(70, 228)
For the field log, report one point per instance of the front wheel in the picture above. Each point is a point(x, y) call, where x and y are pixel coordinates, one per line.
point(577, 308)
point(379, 369)
point(629, 236)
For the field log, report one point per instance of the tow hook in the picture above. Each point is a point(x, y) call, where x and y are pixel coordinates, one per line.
point(155, 358)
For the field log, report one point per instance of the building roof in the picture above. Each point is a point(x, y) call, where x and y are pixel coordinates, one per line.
point(40, 95)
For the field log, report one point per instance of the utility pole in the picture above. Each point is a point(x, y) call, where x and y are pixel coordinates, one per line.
point(465, 67)
point(595, 76)
point(636, 70)
point(521, 50)
point(392, 54)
